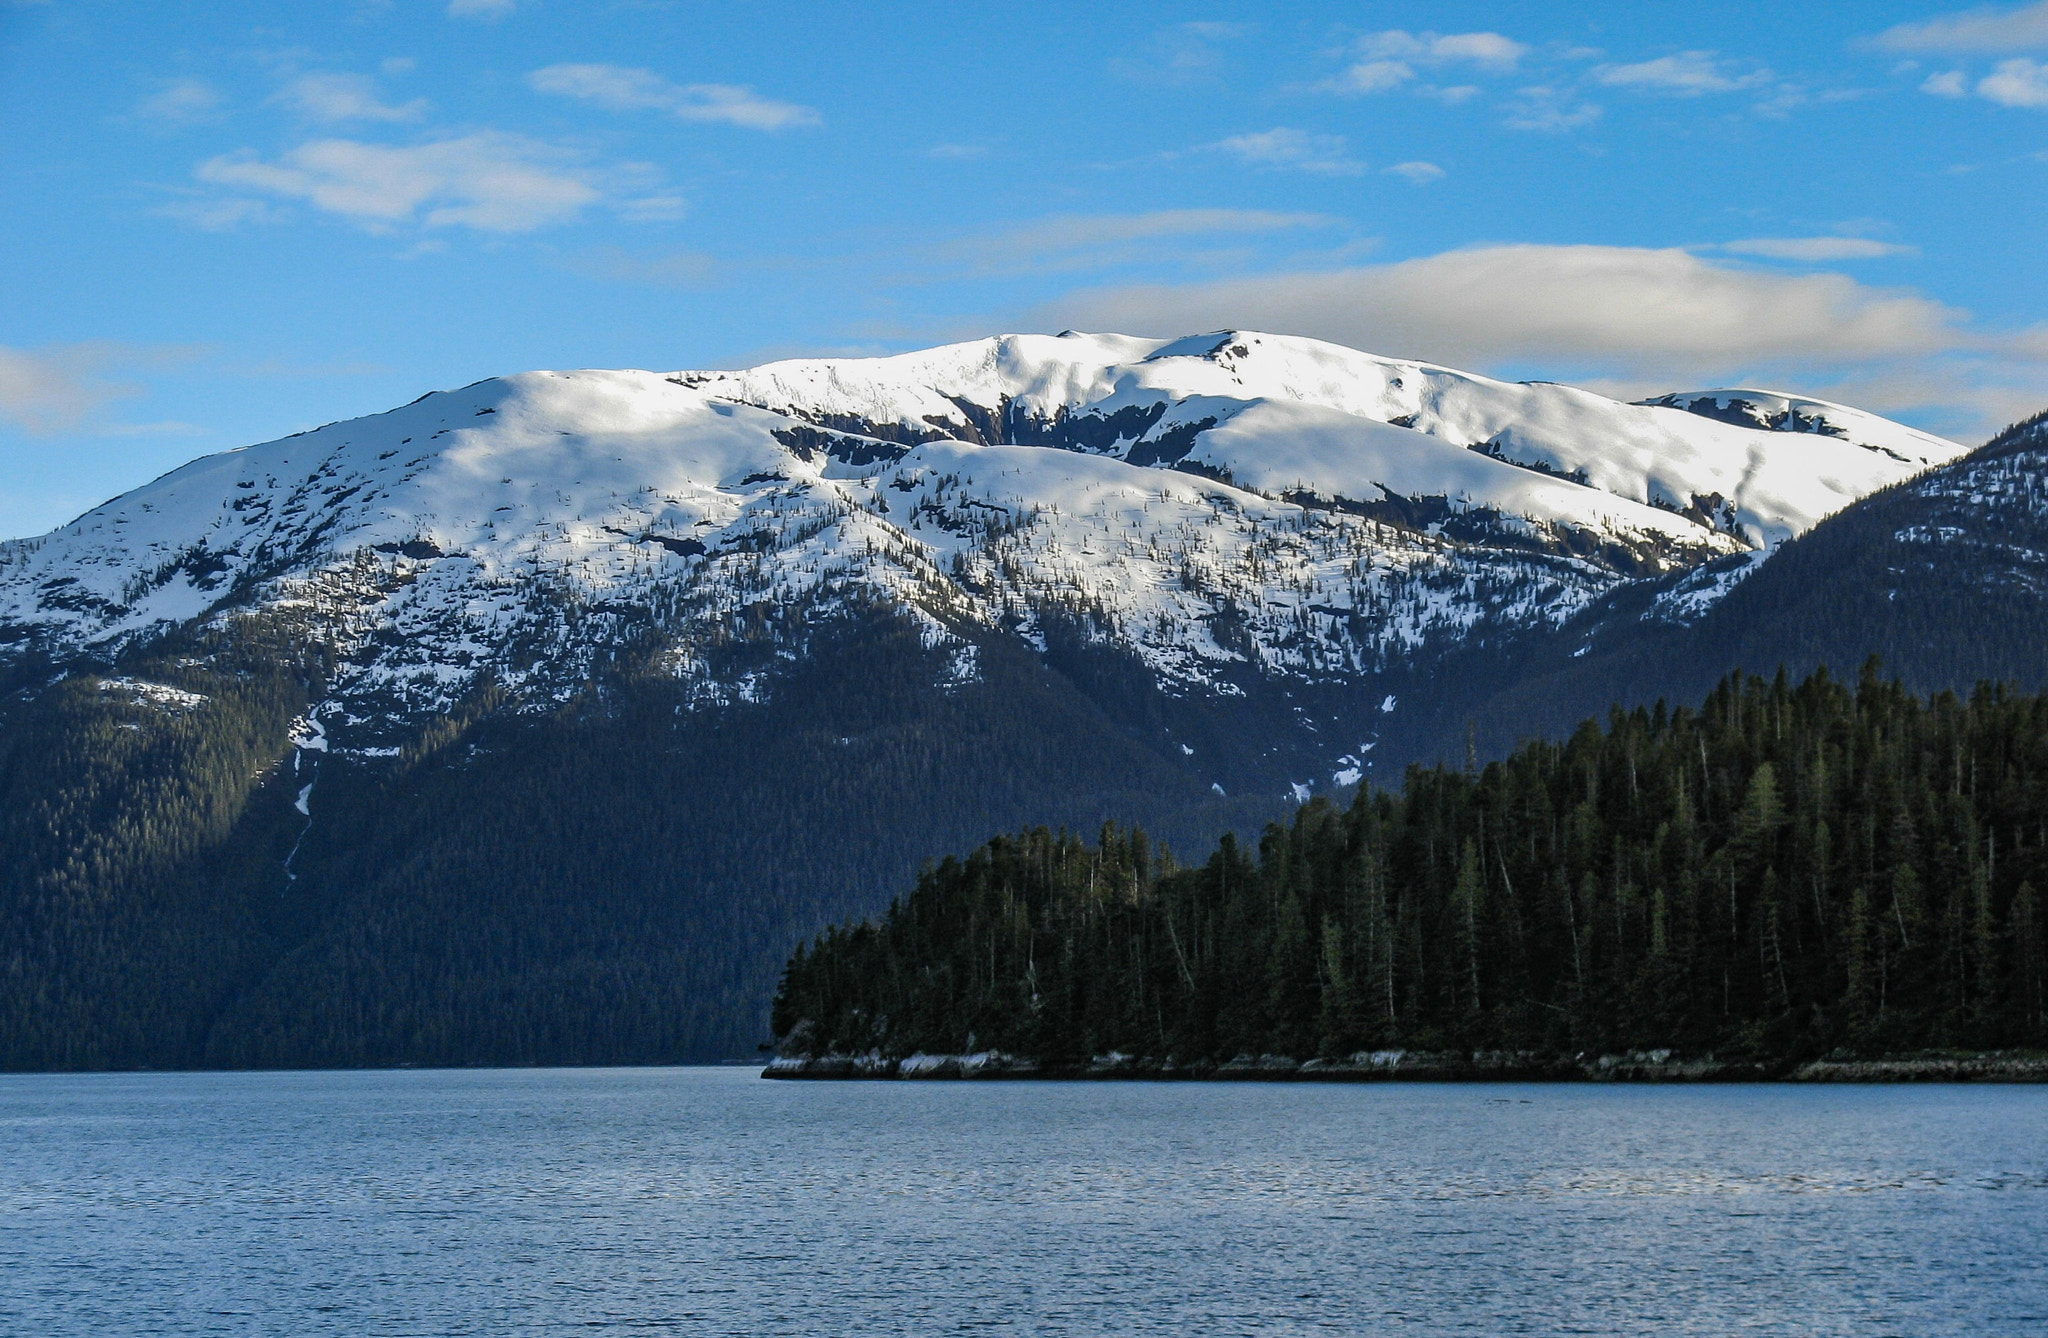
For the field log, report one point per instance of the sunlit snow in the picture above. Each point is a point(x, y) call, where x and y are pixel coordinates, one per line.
point(1223, 504)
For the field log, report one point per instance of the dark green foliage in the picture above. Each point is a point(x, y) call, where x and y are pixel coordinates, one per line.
point(618, 881)
point(614, 882)
point(127, 834)
point(1781, 873)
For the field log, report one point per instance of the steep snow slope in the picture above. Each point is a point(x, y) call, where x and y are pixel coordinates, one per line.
point(1776, 411)
point(1232, 509)
point(1944, 579)
point(1067, 389)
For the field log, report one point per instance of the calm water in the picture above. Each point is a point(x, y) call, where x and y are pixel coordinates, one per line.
point(707, 1201)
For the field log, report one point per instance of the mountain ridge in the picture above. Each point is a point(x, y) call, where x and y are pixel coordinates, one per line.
point(1234, 509)
point(311, 754)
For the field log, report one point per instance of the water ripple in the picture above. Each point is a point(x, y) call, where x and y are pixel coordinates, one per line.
point(708, 1202)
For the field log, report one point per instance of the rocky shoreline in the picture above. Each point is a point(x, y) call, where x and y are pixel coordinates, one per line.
point(1433, 1066)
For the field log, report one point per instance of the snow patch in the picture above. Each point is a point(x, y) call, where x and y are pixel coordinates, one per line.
point(1217, 506)
point(1689, 600)
point(160, 695)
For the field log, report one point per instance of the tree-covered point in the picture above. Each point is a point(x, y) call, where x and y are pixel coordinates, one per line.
point(1786, 871)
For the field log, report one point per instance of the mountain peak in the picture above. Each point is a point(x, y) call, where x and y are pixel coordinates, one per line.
point(1230, 506)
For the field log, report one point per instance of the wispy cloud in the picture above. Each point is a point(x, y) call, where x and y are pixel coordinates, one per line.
point(332, 98)
point(61, 387)
point(1384, 61)
point(1417, 173)
point(1071, 242)
point(44, 390)
point(1686, 74)
point(488, 181)
point(1558, 88)
point(489, 10)
point(1816, 250)
point(181, 102)
point(1618, 309)
point(1371, 76)
point(217, 213)
point(1622, 316)
point(1286, 148)
point(620, 88)
point(1182, 54)
point(1988, 30)
point(1485, 48)
point(1548, 109)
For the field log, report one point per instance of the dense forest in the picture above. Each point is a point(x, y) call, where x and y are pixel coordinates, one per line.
point(618, 878)
point(1938, 575)
point(1785, 871)
point(615, 881)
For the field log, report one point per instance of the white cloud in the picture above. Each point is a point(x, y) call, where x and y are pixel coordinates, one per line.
point(2016, 83)
point(653, 208)
point(213, 213)
point(49, 389)
point(1094, 241)
point(1687, 74)
point(182, 102)
point(1371, 76)
point(1550, 110)
point(1435, 48)
point(622, 89)
point(2022, 29)
point(1816, 249)
point(479, 9)
point(957, 152)
point(1387, 60)
point(57, 387)
point(1948, 84)
point(1617, 310)
point(1419, 173)
point(1295, 150)
point(344, 97)
point(489, 181)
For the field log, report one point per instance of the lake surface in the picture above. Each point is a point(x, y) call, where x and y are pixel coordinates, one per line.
point(707, 1201)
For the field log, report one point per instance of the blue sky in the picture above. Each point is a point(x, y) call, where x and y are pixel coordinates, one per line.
point(230, 221)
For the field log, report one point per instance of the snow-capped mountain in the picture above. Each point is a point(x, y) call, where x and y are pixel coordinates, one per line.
point(1943, 579)
point(1232, 509)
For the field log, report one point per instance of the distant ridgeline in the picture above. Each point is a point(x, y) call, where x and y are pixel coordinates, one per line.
point(1785, 873)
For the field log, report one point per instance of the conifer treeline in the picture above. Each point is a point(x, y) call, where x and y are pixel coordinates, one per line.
point(616, 881)
point(126, 910)
point(1785, 871)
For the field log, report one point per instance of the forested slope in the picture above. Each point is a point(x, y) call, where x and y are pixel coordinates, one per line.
point(1944, 577)
point(614, 882)
point(225, 843)
point(143, 834)
point(1782, 872)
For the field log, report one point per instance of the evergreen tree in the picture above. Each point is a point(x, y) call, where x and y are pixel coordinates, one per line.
point(1672, 880)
